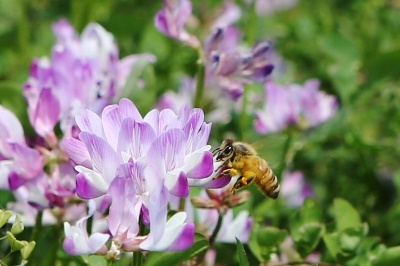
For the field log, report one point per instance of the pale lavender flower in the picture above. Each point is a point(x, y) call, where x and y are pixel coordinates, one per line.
point(232, 227)
point(266, 7)
point(83, 72)
point(294, 189)
point(230, 14)
point(232, 68)
point(227, 66)
point(304, 106)
point(138, 195)
point(77, 240)
point(175, 143)
point(282, 108)
point(172, 19)
point(19, 163)
point(317, 105)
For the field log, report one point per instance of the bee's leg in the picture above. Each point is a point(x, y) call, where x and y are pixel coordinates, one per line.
point(229, 171)
point(246, 179)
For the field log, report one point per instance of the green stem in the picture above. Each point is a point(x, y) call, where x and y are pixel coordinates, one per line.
point(137, 258)
point(55, 244)
point(217, 228)
point(251, 28)
point(23, 30)
point(38, 225)
point(200, 83)
point(182, 203)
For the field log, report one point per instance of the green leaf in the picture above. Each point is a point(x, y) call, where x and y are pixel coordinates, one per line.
point(345, 214)
point(175, 258)
point(332, 244)
point(350, 238)
point(253, 243)
point(311, 211)
point(265, 240)
point(243, 261)
point(345, 245)
point(271, 236)
point(389, 257)
point(307, 237)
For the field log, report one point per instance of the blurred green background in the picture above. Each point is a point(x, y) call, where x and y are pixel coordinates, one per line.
point(353, 47)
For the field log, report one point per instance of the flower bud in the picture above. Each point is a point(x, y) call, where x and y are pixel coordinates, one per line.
point(27, 250)
point(5, 215)
point(14, 243)
point(17, 226)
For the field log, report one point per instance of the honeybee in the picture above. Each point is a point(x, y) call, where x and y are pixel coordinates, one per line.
point(241, 159)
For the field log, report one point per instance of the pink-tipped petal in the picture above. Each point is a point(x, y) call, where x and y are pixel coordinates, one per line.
point(204, 168)
point(185, 240)
point(181, 188)
point(88, 187)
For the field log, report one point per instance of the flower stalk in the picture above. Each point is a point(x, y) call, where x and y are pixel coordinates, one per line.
point(217, 228)
point(201, 70)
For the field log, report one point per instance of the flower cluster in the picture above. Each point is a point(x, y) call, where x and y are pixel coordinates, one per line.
point(293, 104)
point(139, 162)
point(227, 66)
point(83, 72)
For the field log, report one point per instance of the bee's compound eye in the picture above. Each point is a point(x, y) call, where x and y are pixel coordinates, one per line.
point(227, 150)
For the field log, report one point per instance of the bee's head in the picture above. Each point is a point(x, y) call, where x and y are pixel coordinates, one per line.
point(225, 151)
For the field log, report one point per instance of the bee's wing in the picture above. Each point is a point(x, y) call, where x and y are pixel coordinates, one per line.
point(271, 148)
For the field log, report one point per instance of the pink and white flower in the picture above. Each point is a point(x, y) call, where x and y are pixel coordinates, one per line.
point(285, 105)
point(175, 143)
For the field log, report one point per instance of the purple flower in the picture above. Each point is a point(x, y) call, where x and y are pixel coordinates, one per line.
point(77, 241)
point(229, 67)
point(231, 228)
point(304, 106)
point(295, 189)
point(175, 143)
point(282, 108)
point(172, 19)
point(138, 195)
point(317, 105)
point(266, 7)
point(83, 72)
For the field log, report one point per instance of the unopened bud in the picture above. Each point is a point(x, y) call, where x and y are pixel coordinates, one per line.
point(5, 215)
point(17, 226)
point(27, 250)
point(15, 244)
